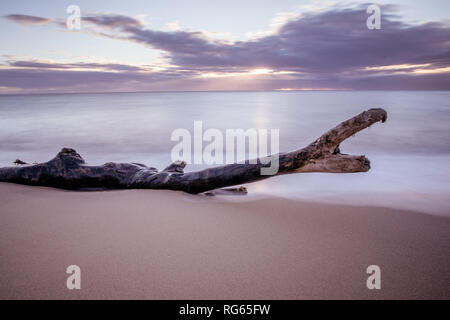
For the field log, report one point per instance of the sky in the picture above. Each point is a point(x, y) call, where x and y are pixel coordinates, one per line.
point(203, 45)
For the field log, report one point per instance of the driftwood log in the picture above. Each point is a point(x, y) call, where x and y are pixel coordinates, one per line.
point(69, 171)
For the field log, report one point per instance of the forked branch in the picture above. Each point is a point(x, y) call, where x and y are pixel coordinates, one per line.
point(69, 171)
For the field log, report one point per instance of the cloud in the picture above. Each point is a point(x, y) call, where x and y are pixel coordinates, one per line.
point(27, 20)
point(80, 65)
point(333, 41)
point(57, 79)
point(113, 21)
point(30, 76)
point(173, 26)
point(329, 48)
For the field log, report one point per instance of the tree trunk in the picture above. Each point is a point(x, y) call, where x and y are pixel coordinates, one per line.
point(69, 171)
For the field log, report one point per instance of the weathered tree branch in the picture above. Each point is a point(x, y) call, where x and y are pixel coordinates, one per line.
point(69, 171)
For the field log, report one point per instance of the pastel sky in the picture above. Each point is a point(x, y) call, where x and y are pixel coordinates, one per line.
point(177, 45)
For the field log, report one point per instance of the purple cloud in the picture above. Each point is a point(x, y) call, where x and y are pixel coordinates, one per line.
point(335, 44)
point(113, 21)
point(27, 20)
point(47, 65)
point(36, 76)
point(329, 42)
point(330, 49)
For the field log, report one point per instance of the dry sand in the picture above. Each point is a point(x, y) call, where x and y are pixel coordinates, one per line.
point(146, 244)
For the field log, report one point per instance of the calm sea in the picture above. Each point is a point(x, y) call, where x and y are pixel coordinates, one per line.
point(410, 153)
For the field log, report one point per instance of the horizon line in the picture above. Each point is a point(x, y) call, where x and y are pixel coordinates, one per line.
point(213, 91)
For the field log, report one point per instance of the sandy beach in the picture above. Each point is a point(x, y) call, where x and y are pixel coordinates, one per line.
point(145, 244)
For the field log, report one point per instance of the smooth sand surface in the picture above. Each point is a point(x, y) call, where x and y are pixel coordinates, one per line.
point(147, 244)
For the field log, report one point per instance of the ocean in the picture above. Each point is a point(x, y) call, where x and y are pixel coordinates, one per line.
point(410, 153)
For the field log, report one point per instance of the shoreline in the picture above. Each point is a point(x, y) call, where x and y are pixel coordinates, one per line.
point(152, 244)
